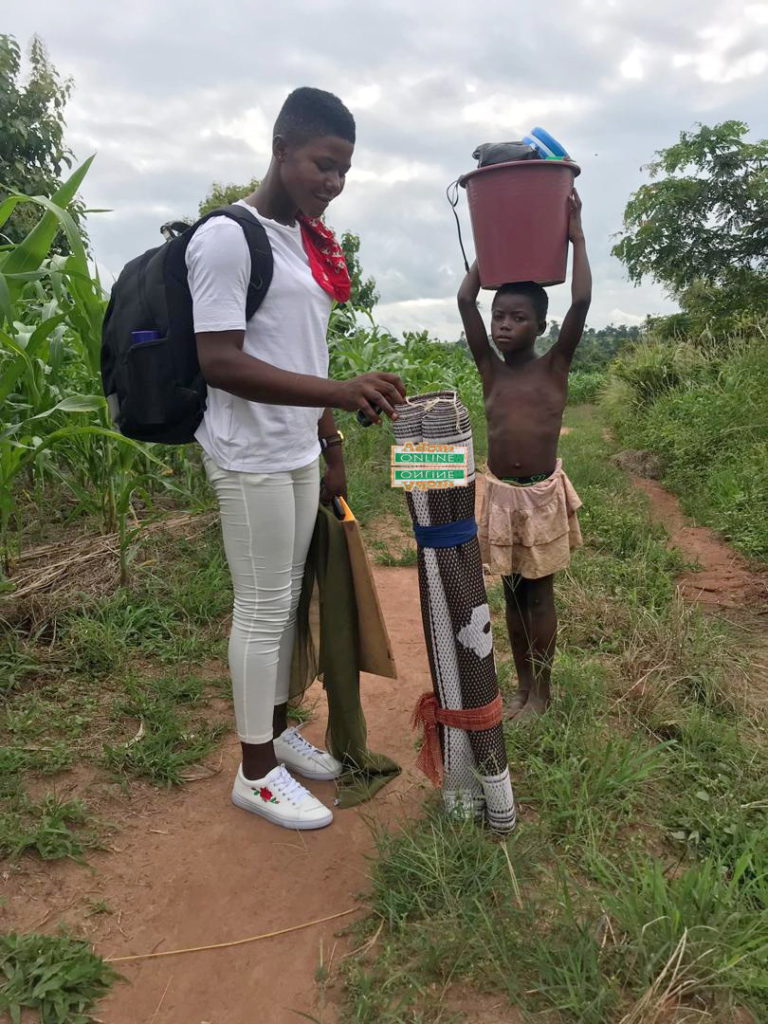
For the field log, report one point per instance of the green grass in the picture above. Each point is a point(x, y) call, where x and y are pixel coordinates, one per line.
point(173, 617)
point(168, 740)
point(585, 386)
point(112, 682)
point(384, 555)
point(51, 828)
point(425, 365)
point(703, 412)
point(57, 976)
point(635, 887)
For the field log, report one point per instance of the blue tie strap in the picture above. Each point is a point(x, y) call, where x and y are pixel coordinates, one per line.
point(449, 535)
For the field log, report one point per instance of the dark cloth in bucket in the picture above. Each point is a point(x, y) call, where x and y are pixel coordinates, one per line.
point(503, 153)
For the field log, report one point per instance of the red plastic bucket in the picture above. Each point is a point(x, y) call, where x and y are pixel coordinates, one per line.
point(519, 213)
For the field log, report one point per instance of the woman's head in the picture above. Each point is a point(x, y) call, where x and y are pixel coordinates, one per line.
point(313, 143)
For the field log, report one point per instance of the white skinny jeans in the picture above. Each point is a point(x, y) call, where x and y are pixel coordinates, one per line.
point(267, 520)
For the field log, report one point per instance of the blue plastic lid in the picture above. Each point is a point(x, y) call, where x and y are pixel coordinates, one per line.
point(541, 149)
point(138, 336)
point(550, 144)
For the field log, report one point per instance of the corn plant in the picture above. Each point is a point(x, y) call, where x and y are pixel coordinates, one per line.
point(51, 309)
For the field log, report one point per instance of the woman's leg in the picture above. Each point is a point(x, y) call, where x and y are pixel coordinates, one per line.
point(306, 495)
point(258, 527)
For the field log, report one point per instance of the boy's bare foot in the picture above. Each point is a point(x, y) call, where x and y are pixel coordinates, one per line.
point(533, 708)
point(517, 703)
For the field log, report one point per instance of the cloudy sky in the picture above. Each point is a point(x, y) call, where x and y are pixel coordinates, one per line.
point(174, 95)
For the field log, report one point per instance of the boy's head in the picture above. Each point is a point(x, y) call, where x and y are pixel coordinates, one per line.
point(518, 316)
point(313, 143)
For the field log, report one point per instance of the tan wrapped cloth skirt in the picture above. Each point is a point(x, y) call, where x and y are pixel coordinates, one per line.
point(529, 529)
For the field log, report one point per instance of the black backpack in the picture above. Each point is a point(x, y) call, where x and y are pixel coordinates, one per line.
point(154, 387)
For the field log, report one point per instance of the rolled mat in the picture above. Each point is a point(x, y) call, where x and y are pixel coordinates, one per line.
point(457, 627)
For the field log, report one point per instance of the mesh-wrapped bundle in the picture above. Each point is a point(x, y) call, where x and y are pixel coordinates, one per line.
point(464, 713)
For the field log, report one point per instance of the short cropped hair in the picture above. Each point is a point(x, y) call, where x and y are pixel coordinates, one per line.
point(308, 113)
point(534, 292)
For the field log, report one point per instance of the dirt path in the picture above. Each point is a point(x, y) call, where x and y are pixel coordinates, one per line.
point(725, 579)
point(724, 583)
point(189, 869)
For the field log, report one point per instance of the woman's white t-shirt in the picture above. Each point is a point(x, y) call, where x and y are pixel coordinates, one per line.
point(288, 330)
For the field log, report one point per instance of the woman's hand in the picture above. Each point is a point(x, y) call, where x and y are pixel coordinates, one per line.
point(334, 482)
point(372, 393)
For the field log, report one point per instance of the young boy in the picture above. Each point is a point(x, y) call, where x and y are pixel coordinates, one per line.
point(528, 523)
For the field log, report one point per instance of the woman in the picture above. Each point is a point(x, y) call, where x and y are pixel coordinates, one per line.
point(268, 418)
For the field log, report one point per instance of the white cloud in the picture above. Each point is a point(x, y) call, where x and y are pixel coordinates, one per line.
point(620, 316)
point(727, 52)
point(172, 99)
point(633, 65)
point(514, 112)
point(252, 127)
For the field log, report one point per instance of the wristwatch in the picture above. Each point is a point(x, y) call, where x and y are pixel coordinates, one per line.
point(331, 441)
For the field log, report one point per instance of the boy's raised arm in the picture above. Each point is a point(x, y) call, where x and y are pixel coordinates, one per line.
point(474, 328)
point(581, 288)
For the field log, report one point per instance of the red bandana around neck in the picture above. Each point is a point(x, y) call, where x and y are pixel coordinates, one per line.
point(326, 258)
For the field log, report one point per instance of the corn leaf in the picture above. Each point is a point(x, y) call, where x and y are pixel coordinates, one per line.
point(32, 250)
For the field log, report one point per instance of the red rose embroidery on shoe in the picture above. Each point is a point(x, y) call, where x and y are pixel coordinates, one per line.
point(266, 796)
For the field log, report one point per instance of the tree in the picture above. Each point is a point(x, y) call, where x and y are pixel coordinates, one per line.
point(597, 347)
point(223, 195)
point(32, 149)
point(364, 295)
point(708, 218)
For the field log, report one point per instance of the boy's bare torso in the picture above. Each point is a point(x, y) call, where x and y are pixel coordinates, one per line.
point(524, 409)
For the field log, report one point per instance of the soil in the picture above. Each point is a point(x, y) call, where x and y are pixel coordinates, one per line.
point(189, 869)
point(724, 579)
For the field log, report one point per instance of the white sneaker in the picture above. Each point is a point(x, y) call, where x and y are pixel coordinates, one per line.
point(300, 756)
point(279, 798)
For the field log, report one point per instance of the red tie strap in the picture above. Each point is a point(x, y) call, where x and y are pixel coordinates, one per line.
point(429, 715)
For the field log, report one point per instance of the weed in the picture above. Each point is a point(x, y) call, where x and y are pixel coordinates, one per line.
point(585, 386)
point(98, 907)
point(384, 555)
point(703, 412)
point(635, 886)
point(58, 976)
point(167, 742)
point(43, 760)
point(51, 828)
point(700, 920)
point(18, 662)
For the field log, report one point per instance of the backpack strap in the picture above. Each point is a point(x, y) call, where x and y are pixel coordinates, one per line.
point(262, 263)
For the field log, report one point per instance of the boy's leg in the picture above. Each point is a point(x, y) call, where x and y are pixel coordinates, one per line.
point(519, 638)
point(541, 619)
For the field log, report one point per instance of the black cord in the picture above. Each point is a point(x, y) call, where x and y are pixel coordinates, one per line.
point(452, 195)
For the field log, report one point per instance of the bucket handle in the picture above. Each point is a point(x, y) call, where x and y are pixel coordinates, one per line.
point(452, 195)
